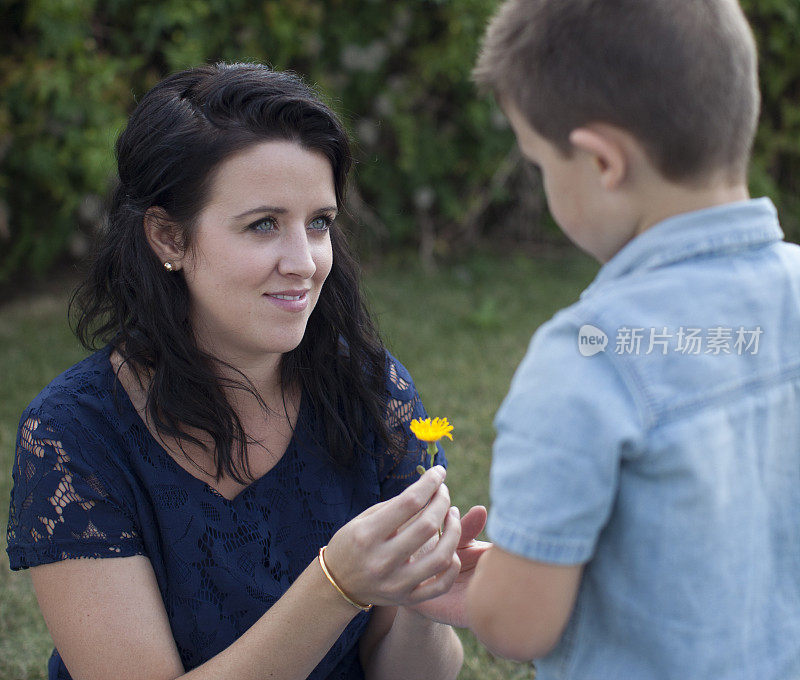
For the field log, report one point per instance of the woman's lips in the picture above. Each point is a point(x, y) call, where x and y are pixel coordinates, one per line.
point(289, 300)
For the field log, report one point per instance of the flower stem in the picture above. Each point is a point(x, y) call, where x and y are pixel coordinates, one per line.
point(431, 448)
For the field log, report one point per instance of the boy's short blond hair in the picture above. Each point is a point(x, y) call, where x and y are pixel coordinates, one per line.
point(679, 75)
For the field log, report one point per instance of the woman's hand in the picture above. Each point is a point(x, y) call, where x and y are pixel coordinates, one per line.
point(450, 608)
point(370, 557)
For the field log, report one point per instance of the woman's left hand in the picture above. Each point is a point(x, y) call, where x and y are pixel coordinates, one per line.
point(450, 608)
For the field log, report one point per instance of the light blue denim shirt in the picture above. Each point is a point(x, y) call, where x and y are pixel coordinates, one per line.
point(652, 432)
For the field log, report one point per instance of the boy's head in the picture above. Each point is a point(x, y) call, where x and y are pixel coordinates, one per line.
point(679, 75)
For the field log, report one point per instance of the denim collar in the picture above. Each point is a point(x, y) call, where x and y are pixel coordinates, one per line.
point(721, 229)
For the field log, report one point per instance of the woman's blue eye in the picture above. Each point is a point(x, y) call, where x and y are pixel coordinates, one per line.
point(264, 226)
point(322, 223)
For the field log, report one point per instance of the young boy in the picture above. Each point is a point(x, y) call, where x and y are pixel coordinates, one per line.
point(646, 475)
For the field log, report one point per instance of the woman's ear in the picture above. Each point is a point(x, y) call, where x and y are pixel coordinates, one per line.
point(607, 151)
point(163, 235)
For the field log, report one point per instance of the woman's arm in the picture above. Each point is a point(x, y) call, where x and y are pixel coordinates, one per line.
point(107, 618)
point(400, 644)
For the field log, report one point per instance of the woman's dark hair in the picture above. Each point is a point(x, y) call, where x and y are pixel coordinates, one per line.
point(178, 135)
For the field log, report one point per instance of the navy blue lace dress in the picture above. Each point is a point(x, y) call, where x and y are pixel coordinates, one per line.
point(90, 481)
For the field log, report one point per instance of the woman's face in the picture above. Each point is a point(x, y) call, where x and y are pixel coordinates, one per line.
point(261, 251)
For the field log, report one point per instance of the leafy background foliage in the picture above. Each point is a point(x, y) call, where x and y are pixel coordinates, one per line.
point(436, 165)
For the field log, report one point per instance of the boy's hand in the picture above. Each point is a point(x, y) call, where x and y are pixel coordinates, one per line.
point(450, 608)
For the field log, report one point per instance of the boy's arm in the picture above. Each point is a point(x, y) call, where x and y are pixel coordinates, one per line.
point(519, 608)
point(562, 432)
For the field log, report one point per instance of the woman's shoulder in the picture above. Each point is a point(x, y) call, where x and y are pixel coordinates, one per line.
point(77, 426)
point(68, 391)
point(79, 408)
point(399, 468)
point(399, 382)
point(71, 496)
point(404, 403)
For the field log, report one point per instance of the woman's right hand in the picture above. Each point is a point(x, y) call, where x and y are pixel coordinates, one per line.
point(370, 557)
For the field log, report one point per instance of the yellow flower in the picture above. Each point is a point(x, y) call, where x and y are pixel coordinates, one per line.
point(428, 431)
point(431, 432)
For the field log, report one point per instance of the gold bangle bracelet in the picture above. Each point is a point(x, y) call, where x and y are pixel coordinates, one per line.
point(362, 607)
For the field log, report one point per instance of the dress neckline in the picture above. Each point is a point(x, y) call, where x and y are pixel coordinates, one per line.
point(117, 388)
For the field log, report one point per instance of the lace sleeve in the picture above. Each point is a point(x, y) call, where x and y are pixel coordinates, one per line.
point(60, 507)
point(404, 405)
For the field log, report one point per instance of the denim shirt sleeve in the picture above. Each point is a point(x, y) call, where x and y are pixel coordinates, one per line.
point(562, 432)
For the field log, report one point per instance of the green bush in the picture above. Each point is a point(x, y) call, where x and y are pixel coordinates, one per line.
point(776, 163)
point(436, 166)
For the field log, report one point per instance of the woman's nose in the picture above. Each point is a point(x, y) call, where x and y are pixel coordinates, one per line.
point(296, 256)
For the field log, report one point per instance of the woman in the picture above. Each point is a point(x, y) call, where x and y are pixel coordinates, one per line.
point(242, 415)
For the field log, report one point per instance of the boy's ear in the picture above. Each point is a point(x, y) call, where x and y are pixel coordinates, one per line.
point(163, 235)
point(607, 151)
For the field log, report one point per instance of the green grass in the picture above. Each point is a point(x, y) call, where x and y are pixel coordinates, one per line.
point(35, 346)
point(460, 331)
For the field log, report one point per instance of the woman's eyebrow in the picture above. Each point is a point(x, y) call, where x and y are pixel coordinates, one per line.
point(280, 211)
point(261, 209)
